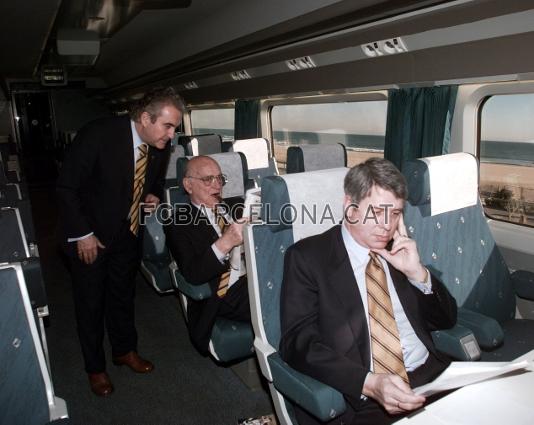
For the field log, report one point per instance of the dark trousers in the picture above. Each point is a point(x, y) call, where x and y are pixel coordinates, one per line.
point(235, 304)
point(104, 295)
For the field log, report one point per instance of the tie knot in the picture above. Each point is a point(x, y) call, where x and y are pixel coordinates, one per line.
point(374, 259)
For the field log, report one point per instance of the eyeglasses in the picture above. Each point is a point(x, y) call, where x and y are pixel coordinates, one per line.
point(208, 180)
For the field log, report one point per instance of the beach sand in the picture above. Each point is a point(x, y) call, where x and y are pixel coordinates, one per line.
point(518, 179)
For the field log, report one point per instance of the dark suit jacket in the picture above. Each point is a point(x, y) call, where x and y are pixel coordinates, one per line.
point(95, 185)
point(324, 326)
point(190, 238)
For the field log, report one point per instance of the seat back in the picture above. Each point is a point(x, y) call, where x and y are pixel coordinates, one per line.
point(444, 215)
point(202, 144)
point(26, 391)
point(13, 245)
point(177, 151)
point(14, 248)
point(315, 157)
point(259, 162)
point(155, 254)
point(317, 204)
point(156, 258)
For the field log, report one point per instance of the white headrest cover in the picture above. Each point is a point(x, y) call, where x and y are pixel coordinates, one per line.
point(232, 166)
point(317, 198)
point(453, 181)
point(255, 150)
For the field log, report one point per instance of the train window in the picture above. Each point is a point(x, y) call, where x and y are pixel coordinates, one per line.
point(360, 126)
point(218, 121)
point(506, 153)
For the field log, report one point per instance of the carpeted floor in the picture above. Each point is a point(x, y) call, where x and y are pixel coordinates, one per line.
point(185, 388)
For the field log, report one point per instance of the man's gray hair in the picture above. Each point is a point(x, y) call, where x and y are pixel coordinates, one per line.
point(154, 101)
point(361, 178)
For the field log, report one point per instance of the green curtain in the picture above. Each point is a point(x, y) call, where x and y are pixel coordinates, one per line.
point(419, 122)
point(247, 119)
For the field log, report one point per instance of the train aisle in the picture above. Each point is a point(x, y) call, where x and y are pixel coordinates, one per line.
point(184, 389)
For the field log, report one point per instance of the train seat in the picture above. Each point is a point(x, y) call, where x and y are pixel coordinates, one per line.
point(156, 258)
point(260, 163)
point(315, 157)
point(444, 215)
point(26, 389)
point(202, 144)
point(265, 245)
point(230, 340)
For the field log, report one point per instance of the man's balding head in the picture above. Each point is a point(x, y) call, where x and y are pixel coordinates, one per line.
point(197, 183)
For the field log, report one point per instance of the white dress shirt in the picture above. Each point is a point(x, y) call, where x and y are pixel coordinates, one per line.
point(413, 350)
point(237, 263)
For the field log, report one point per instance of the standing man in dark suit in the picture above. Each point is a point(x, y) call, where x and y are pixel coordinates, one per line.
point(206, 253)
point(114, 170)
point(358, 316)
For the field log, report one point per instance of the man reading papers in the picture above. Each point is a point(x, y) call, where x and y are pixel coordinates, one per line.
point(358, 316)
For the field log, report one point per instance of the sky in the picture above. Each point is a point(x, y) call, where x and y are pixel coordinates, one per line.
point(508, 118)
point(503, 118)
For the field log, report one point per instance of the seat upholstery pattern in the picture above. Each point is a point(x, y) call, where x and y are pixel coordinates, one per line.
point(459, 248)
point(22, 390)
point(265, 247)
point(26, 391)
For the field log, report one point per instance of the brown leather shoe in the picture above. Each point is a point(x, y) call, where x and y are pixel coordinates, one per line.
point(134, 362)
point(100, 384)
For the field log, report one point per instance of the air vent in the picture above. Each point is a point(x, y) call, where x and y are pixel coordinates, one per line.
point(190, 85)
point(390, 46)
point(297, 64)
point(240, 75)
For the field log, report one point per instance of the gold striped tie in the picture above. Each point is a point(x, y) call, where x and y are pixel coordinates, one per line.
point(138, 185)
point(225, 277)
point(385, 340)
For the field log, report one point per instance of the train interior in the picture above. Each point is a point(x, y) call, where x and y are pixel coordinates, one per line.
point(299, 89)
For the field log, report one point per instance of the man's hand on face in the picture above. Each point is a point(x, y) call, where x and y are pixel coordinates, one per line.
point(404, 255)
point(88, 249)
point(391, 392)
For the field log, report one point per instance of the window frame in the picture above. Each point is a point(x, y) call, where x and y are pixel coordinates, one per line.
point(188, 121)
point(266, 106)
point(480, 107)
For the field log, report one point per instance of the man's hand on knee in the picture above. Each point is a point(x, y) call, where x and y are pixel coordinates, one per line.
point(391, 392)
point(88, 249)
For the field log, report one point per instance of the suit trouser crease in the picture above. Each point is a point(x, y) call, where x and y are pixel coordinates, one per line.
point(104, 294)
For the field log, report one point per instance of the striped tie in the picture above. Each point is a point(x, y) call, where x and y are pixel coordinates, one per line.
point(385, 341)
point(225, 277)
point(138, 184)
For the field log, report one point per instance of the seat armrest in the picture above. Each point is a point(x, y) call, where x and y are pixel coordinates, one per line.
point(195, 292)
point(523, 282)
point(322, 401)
point(458, 342)
point(487, 330)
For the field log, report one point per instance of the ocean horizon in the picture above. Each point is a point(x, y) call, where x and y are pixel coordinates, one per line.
point(493, 151)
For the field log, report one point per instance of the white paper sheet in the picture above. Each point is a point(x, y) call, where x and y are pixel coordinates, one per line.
point(460, 374)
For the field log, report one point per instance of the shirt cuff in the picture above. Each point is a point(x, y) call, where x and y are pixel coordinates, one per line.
point(426, 286)
point(80, 238)
point(218, 253)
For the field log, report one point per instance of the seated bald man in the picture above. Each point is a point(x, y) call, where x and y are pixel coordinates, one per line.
point(206, 240)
